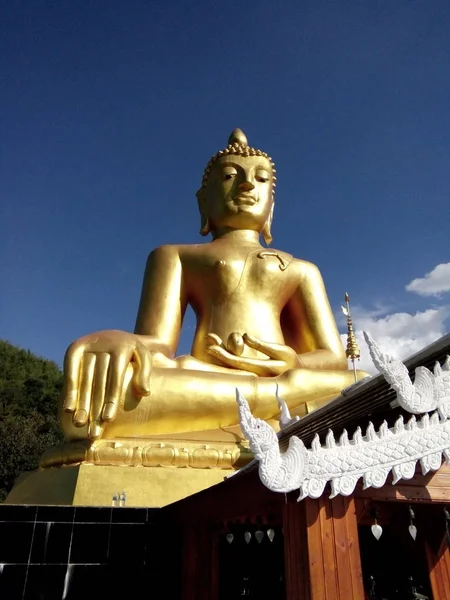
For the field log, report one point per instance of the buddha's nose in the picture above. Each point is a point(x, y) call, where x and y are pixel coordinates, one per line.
point(246, 186)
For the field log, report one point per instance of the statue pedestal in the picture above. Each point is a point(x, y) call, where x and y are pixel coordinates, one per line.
point(95, 485)
point(152, 472)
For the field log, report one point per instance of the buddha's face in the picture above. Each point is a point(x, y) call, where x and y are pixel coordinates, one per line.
point(239, 193)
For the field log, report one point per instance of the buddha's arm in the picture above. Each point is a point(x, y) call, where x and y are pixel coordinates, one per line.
point(163, 301)
point(312, 330)
point(161, 311)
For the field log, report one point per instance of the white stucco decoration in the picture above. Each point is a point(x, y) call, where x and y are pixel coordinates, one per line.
point(285, 416)
point(430, 391)
point(371, 456)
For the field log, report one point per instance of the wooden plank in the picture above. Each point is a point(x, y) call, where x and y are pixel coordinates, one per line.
point(295, 550)
point(214, 591)
point(447, 559)
point(290, 573)
point(433, 487)
point(199, 563)
point(402, 493)
point(239, 495)
point(434, 579)
point(343, 570)
point(440, 478)
point(353, 550)
point(361, 505)
point(189, 560)
point(333, 549)
point(290, 542)
point(314, 536)
point(328, 549)
point(444, 561)
point(438, 579)
point(341, 543)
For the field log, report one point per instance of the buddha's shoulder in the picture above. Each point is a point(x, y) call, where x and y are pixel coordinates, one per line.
point(304, 268)
point(295, 263)
point(181, 251)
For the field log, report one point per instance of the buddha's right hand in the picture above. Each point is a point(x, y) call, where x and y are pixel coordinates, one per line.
point(94, 373)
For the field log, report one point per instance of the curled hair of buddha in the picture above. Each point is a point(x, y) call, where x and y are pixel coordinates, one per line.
point(237, 145)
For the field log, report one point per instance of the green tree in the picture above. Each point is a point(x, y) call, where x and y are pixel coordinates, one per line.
point(23, 439)
point(29, 391)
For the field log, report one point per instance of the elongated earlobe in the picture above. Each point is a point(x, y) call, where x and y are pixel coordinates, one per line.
point(204, 222)
point(267, 235)
point(205, 229)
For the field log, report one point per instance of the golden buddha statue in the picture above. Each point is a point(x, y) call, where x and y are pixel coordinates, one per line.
point(263, 319)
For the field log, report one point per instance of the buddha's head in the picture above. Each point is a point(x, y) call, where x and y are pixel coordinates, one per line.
point(237, 189)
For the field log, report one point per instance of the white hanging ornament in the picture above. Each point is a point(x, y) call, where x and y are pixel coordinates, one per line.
point(247, 537)
point(270, 534)
point(377, 530)
point(229, 537)
point(259, 535)
point(412, 528)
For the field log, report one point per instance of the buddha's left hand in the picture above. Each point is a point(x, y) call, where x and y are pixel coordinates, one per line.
point(279, 359)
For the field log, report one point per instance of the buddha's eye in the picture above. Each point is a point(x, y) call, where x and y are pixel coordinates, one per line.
point(262, 176)
point(229, 173)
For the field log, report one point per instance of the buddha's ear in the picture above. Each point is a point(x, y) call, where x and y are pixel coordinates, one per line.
point(267, 235)
point(204, 221)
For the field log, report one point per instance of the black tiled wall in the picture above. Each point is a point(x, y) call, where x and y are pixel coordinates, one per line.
point(68, 553)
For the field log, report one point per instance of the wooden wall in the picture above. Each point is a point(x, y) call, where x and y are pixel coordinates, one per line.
point(203, 519)
point(439, 568)
point(199, 563)
point(322, 550)
point(321, 547)
point(431, 488)
point(429, 493)
point(296, 550)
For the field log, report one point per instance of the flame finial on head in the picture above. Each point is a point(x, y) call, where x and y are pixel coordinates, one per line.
point(238, 137)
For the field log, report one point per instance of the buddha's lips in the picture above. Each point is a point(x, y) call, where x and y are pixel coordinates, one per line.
point(244, 199)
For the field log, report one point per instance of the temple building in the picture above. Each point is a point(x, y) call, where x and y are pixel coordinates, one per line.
point(365, 539)
point(239, 538)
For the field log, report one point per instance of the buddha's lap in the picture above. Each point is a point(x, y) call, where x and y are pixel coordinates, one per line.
point(185, 401)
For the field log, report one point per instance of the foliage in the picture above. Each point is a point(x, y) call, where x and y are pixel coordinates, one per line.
point(29, 391)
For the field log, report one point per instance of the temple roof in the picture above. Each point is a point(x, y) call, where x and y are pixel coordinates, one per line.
point(370, 401)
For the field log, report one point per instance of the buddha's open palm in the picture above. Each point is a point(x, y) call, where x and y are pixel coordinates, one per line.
point(94, 373)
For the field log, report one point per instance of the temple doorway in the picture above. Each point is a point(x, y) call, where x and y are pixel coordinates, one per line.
point(398, 565)
point(251, 562)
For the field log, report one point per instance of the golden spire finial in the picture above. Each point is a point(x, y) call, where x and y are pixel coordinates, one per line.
point(352, 351)
point(238, 137)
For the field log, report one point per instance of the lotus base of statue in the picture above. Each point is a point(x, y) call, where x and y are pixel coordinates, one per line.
point(152, 471)
point(96, 485)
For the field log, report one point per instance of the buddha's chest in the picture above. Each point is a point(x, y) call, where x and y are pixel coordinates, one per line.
point(260, 275)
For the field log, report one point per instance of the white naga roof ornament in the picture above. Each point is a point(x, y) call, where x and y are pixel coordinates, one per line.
point(371, 456)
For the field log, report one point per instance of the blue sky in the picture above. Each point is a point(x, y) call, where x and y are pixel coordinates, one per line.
point(110, 111)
